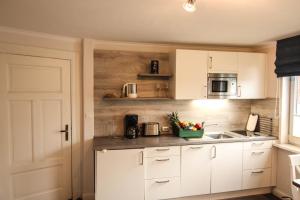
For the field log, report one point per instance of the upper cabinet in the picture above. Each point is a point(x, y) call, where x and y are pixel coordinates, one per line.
point(190, 74)
point(190, 69)
point(223, 62)
point(251, 75)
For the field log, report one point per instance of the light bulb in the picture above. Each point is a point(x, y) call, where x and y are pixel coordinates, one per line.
point(190, 6)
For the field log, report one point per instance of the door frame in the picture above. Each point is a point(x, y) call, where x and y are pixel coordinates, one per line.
point(75, 69)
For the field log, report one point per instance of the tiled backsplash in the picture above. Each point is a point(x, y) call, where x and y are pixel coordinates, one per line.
point(115, 68)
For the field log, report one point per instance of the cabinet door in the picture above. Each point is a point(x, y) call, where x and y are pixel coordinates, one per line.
point(251, 75)
point(222, 62)
point(227, 167)
point(195, 170)
point(117, 172)
point(191, 74)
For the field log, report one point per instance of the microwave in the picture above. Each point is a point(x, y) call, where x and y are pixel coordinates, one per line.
point(221, 85)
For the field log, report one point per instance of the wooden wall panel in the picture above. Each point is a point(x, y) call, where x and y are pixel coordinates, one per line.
point(114, 68)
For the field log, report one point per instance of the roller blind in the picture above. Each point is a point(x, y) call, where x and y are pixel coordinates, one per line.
point(288, 57)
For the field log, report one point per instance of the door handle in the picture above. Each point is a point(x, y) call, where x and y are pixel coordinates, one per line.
point(239, 91)
point(142, 158)
point(166, 159)
point(214, 148)
point(66, 131)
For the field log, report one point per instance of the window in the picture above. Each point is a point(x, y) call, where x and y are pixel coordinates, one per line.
point(295, 109)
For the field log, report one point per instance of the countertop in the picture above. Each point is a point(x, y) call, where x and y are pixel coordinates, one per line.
point(118, 143)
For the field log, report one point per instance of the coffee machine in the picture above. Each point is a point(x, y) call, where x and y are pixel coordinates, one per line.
point(131, 128)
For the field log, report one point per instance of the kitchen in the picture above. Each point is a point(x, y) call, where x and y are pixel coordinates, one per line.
point(107, 100)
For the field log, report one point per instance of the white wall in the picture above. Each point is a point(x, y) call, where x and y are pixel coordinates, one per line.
point(283, 187)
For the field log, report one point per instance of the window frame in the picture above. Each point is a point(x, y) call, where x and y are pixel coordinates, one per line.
point(291, 138)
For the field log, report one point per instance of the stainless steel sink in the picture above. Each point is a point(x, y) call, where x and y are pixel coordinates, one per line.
point(219, 136)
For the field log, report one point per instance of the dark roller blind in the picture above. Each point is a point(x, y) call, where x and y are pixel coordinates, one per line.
point(288, 57)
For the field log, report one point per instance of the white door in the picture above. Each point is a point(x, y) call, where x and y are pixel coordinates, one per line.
point(251, 76)
point(191, 74)
point(227, 167)
point(223, 62)
point(120, 175)
point(34, 108)
point(195, 170)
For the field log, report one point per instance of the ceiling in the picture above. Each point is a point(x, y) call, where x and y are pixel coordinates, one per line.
point(234, 22)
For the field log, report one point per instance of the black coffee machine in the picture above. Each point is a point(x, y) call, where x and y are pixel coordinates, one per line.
point(131, 128)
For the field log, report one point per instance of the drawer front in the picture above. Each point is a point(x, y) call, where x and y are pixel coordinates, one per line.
point(160, 167)
point(257, 159)
point(258, 145)
point(162, 151)
point(162, 188)
point(256, 178)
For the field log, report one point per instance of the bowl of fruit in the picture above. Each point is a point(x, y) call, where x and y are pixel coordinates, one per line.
point(185, 129)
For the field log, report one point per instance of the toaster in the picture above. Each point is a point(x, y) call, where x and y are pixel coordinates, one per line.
point(151, 129)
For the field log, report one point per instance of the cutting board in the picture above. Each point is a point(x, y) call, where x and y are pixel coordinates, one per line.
point(252, 121)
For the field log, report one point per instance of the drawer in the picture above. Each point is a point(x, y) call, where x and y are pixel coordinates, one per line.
point(160, 167)
point(162, 188)
point(256, 178)
point(162, 151)
point(258, 145)
point(257, 159)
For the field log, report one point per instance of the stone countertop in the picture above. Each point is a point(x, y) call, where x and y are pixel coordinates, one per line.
point(119, 143)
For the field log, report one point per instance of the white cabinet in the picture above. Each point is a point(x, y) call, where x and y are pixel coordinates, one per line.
point(195, 170)
point(251, 75)
point(117, 172)
point(259, 165)
point(190, 74)
point(162, 172)
point(227, 167)
point(223, 62)
point(163, 188)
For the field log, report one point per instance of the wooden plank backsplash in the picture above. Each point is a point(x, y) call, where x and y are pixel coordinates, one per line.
point(115, 68)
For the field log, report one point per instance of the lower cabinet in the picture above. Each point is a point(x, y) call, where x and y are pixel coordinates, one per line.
point(227, 167)
point(195, 170)
point(171, 172)
point(119, 175)
point(162, 188)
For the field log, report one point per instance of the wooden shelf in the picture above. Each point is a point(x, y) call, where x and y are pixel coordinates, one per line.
point(137, 99)
point(156, 76)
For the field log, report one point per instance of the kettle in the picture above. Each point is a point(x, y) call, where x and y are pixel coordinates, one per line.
point(130, 90)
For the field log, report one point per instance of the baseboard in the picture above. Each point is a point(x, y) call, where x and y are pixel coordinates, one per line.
point(88, 196)
point(229, 195)
point(278, 193)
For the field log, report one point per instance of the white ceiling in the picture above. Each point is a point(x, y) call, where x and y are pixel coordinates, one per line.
point(235, 22)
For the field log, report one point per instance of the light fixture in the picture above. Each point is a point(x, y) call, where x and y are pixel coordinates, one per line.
point(190, 5)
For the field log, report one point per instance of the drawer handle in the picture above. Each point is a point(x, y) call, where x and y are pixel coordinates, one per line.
point(257, 144)
point(257, 153)
point(163, 159)
point(200, 147)
point(258, 172)
point(167, 149)
point(166, 181)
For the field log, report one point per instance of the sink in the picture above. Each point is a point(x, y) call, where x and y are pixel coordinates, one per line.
point(219, 136)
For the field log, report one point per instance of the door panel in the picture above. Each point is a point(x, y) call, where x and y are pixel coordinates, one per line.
point(227, 168)
point(195, 169)
point(34, 107)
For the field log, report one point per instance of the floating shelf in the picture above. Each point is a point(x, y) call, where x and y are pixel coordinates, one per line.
point(156, 76)
point(137, 99)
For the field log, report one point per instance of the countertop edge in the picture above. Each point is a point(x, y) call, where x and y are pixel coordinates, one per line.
point(180, 142)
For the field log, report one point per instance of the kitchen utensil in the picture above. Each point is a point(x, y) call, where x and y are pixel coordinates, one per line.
point(130, 90)
point(252, 122)
point(151, 129)
point(154, 67)
point(131, 129)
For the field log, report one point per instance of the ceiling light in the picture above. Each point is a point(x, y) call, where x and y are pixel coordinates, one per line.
point(190, 5)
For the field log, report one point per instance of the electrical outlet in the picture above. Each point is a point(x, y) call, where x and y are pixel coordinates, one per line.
point(165, 129)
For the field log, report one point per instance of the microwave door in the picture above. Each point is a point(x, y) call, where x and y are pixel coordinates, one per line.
point(219, 86)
